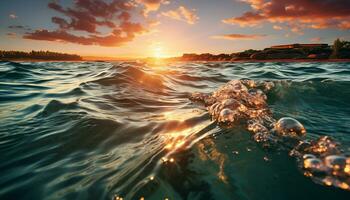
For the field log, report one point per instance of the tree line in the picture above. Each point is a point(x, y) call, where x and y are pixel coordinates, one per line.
point(38, 55)
point(339, 50)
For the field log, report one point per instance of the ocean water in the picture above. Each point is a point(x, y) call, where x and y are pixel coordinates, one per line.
point(104, 130)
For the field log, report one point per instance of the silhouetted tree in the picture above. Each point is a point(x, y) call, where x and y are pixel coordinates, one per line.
point(337, 46)
point(341, 49)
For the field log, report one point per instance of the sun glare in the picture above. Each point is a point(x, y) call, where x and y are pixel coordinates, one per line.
point(158, 52)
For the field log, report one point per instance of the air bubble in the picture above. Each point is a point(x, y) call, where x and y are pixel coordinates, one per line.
point(335, 162)
point(313, 164)
point(289, 127)
point(307, 156)
point(226, 115)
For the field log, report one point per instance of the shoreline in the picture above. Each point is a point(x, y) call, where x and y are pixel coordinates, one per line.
point(38, 60)
point(166, 60)
point(281, 60)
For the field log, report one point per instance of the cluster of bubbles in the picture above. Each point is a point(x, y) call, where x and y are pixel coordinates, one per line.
point(244, 102)
point(324, 161)
point(235, 101)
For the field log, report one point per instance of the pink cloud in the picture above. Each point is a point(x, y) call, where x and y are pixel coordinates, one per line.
point(182, 14)
point(303, 14)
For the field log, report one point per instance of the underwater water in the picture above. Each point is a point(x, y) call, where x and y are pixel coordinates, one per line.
point(103, 130)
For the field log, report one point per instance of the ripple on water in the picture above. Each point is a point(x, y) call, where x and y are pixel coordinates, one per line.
point(93, 130)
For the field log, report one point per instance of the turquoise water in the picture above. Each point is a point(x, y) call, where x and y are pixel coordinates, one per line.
point(101, 130)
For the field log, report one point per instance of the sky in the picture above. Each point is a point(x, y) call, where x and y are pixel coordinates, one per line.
point(164, 28)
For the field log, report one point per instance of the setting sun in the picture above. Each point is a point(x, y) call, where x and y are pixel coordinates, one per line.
point(158, 52)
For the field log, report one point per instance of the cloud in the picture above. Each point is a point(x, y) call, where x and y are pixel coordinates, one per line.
point(11, 35)
point(13, 16)
point(182, 14)
point(344, 25)
point(19, 27)
point(153, 23)
point(90, 16)
point(16, 27)
point(316, 39)
point(247, 19)
point(296, 28)
point(299, 14)
point(276, 27)
point(116, 38)
point(87, 15)
point(152, 5)
point(238, 36)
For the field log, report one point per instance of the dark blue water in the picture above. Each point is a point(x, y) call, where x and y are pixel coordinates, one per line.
point(100, 130)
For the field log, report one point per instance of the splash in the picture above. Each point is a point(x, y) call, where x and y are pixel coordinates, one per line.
point(244, 103)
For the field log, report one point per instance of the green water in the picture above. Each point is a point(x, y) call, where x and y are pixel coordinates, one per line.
point(96, 130)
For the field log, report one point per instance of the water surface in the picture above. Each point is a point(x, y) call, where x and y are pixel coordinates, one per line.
point(96, 130)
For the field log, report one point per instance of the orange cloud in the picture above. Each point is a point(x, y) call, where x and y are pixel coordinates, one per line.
point(237, 37)
point(247, 19)
point(152, 5)
point(302, 14)
point(89, 16)
point(182, 14)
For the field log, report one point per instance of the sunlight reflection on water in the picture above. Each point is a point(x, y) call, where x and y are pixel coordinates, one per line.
point(93, 130)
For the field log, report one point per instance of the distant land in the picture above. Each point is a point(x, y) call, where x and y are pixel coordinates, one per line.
point(38, 56)
point(340, 50)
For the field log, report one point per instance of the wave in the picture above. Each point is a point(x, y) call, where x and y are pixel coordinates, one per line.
point(100, 129)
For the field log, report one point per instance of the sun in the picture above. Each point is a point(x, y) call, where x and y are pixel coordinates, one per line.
point(158, 52)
